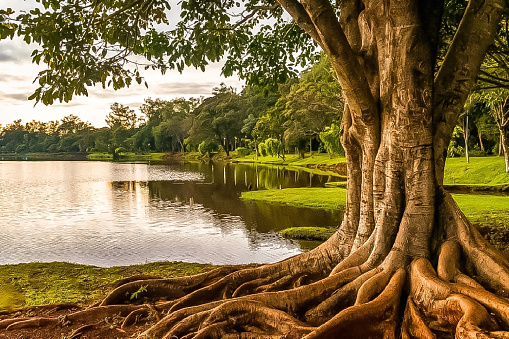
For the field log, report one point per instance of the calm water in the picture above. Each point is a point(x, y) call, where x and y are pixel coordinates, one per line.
point(108, 214)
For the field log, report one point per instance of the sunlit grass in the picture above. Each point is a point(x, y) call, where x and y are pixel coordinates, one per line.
point(482, 209)
point(33, 284)
point(485, 210)
point(479, 171)
point(294, 159)
point(314, 197)
point(308, 233)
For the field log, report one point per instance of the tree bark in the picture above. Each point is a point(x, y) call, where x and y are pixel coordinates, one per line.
point(403, 242)
point(504, 142)
point(479, 134)
point(466, 134)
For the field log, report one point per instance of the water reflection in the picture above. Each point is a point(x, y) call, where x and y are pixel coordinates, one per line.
point(115, 214)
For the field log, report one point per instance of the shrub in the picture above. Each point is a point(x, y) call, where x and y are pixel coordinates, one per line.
point(262, 149)
point(207, 146)
point(273, 147)
point(243, 152)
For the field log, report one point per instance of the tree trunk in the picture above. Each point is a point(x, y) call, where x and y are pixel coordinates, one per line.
point(225, 143)
point(500, 149)
point(466, 134)
point(479, 134)
point(504, 142)
point(403, 242)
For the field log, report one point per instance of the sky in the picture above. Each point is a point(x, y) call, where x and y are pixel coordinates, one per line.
point(17, 74)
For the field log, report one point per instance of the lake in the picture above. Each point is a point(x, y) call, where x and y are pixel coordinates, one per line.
point(107, 214)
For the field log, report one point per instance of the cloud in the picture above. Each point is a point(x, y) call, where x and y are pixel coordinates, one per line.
point(4, 57)
point(13, 97)
point(184, 88)
point(11, 78)
point(16, 51)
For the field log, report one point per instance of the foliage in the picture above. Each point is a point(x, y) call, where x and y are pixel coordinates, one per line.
point(243, 152)
point(208, 146)
point(330, 139)
point(454, 149)
point(136, 294)
point(121, 117)
point(108, 34)
point(273, 147)
point(262, 149)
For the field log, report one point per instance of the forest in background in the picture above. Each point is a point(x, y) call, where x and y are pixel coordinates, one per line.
point(303, 114)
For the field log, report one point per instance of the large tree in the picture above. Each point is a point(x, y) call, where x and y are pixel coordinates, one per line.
point(405, 261)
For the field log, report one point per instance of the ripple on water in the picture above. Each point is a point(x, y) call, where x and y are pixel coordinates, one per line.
point(104, 214)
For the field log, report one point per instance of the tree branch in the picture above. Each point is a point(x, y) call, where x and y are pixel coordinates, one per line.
point(350, 74)
point(457, 75)
point(255, 10)
point(301, 18)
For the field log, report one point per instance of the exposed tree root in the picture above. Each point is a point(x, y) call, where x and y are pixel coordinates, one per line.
point(359, 297)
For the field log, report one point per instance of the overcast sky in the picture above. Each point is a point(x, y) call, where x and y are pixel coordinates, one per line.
point(17, 74)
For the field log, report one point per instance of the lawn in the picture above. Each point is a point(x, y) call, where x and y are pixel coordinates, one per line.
point(485, 210)
point(314, 197)
point(486, 171)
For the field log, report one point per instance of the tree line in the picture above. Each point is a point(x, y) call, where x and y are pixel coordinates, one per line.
point(303, 114)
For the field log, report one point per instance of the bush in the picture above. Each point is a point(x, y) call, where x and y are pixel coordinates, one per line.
point(207, 146)
point(21, 148)
point(273, 147)
point(262, 149)
point(243, 152)
point(119, 150)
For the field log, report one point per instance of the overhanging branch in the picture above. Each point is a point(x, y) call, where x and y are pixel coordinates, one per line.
point(457, 75)
point(350, 74)
point(301, 18)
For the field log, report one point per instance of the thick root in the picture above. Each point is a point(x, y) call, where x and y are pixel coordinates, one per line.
point(314, 295)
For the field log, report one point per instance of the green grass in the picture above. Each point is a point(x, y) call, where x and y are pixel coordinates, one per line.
point(485, 210)
point(481, 209)
point(308, 233)
point(314, 197)
point(128, 156)
point(33, 284)
point(487, 171)
point(294, 160)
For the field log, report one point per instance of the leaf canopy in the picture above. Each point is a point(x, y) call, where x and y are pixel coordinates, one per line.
point(111, 42)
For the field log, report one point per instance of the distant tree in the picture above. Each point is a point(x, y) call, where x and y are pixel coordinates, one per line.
point(12, 136)
point(219, 118)
point(330, 138)
point(274, 148)
point(498, 101)
point(121, 116)
point(313, 103)
point(72, 124)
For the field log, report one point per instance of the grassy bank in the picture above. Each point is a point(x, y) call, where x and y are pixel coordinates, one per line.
point(33, 284)
point(308, 233)
point(97, 156)
point(486, 171)
point(314, 197)
point(293, 159)
point(484, 210)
